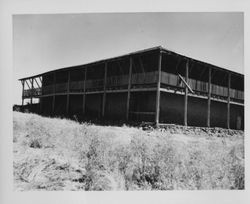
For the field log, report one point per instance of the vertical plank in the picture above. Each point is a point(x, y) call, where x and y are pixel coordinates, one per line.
point(186, 95)
point(84, 91)
point(157, 111)
point(68, 87)
point(228, 100)
point(104, 89)
point(129, 86)
point(209, 97)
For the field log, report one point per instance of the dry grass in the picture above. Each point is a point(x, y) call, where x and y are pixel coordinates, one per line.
point(59, 154)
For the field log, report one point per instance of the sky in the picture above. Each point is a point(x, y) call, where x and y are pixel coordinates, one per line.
point(46, 42)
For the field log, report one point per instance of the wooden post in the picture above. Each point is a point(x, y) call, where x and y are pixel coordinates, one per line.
point(104, 89)
point(32, 88)
point(54, 92)
point(129, 86)
point(68, 90)
point(228, 100)
point(41, 99)
point(186, 95)
point(209, 97)
point(41, 105)
point(158, 93)
point(22, 92)
point(84, 91)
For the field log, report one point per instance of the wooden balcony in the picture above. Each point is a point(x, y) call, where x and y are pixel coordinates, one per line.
point(171, 81)
point(201, 88)
point(32, 92)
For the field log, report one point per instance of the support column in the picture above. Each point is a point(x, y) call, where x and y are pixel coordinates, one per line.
point(158, 93)
point(228, 100)
point(54, 92)
point(41, 104)
point(32, 88)
point(68, 87)
point(23, 93)
point(209, 97)
point(84, 91)
point(104, 89)
point(129, 86)
point(41, 98)
point(186, 95)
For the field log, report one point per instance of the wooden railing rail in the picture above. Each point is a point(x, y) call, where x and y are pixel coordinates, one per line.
point(144, 78)
point(137, 78)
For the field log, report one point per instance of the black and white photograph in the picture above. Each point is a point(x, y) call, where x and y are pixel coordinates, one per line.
point(128, 101)
point(142, 101)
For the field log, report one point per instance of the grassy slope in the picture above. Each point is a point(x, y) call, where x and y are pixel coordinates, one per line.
point(59, 154)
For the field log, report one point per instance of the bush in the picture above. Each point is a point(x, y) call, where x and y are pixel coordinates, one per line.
point(35, 143)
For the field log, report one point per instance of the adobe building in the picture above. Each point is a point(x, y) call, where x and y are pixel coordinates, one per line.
point(153, 85)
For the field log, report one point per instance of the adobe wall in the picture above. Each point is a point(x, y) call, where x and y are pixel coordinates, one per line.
point(60, 105)
point(236, 117)
point(47, 105)
point(171, 108)
point(116, 104)
point(143, 102)
point(93, 105)
point(76, 105)
point(172, 111)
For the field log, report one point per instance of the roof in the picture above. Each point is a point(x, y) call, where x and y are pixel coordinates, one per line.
point(160, 48)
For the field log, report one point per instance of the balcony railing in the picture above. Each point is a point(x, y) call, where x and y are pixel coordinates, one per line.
point(61, 88)
point(167, 79)
point(76, 86)
point(48, 89)
point(117, 81)
point(32, 92)
point(144, 78)
point(201, 87)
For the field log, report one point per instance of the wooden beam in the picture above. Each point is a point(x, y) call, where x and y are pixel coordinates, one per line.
point(37, 83)
point(25, 81)
point(228, 100)
point(186, 84)
point(129, 86)
point(104, 89)
point(68, 90)
point(209, 97)
point(158, 93)
point(186, 95)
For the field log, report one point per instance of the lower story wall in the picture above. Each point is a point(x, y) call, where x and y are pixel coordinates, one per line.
point(172, 111)
point(46, 105)
point(142, 108)
point(116, 106)
point(75, 105)
point(236, 117)
point(93, 105)
point(171, 108)
point(60, 105)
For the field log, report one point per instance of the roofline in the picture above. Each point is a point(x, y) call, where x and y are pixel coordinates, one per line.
point(129, 54)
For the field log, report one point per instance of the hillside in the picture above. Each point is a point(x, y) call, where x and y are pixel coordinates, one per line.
point(60, 154)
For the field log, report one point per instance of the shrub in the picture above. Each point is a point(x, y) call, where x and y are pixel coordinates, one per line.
point(35, 143)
